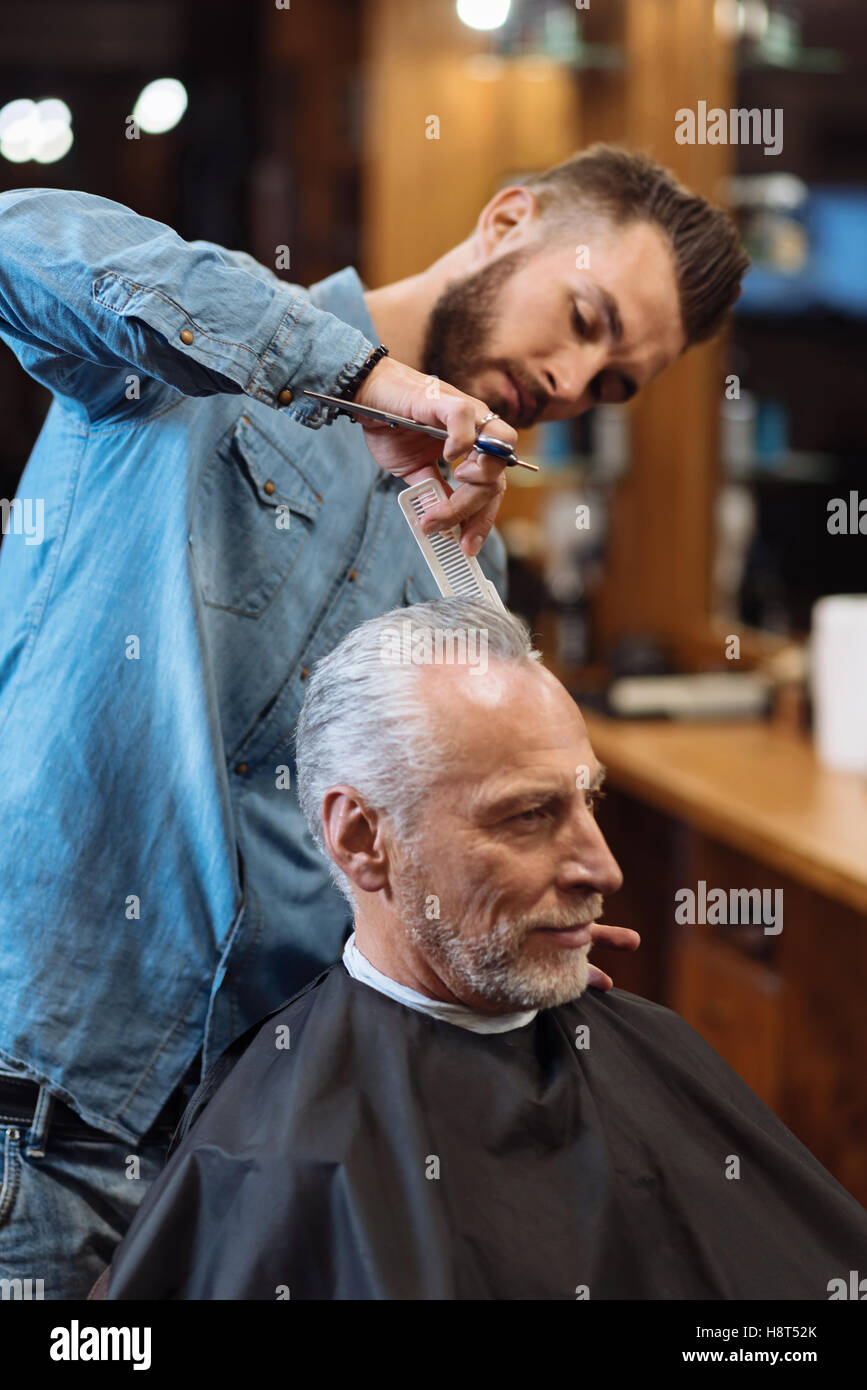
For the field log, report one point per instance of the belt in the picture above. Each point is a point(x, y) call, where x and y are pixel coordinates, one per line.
point(19, 1097)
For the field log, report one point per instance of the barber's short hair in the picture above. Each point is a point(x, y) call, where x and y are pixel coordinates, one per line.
point(364, 722)
point(626, 187)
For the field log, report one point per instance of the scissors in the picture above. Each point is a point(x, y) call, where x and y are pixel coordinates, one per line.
point(485, 444)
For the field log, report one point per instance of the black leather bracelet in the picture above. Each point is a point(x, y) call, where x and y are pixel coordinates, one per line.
point(376, 355)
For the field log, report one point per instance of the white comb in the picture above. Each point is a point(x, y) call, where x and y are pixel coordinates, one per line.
point(457, 575)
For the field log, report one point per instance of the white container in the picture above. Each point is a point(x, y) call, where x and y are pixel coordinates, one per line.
point(838, 658)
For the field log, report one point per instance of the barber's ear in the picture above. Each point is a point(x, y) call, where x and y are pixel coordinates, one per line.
point(353, 837)
point(509, 213)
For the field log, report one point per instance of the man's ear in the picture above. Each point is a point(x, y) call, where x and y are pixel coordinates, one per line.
point(353, 836)
point(511, 211)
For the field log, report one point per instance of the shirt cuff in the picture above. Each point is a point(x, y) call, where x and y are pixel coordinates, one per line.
point(313, 349)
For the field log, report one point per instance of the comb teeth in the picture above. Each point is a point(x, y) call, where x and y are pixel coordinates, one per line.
point(455, 563)
point(455, 573)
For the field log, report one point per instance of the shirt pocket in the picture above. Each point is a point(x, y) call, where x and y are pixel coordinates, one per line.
point(253, 514)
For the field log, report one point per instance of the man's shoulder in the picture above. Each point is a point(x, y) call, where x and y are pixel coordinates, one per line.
point(623, 1004)
point(627, 1027)
point(627, 1013)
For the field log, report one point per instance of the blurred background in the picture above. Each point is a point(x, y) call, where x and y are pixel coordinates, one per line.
point(730, 709)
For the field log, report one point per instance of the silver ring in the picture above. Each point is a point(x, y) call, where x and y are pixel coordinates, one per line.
point(491, 415)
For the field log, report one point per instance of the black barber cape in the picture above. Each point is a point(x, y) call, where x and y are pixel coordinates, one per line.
point(349, 1147)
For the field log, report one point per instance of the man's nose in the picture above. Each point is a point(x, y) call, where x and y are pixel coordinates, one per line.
point(588, 862)
point(568, 373)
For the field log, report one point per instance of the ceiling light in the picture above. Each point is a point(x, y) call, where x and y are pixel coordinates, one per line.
point(483, 14)
point(160, 105)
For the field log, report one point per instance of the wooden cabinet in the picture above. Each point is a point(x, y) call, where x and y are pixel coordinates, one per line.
point(747, 807)
point(736, 1005)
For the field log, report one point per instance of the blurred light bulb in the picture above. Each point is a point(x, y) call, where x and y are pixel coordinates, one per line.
point(728, 17)
point(37, 130)
point(53, 109)
point(15, 112)
point(483, 14)
point(755, 18)
point(52, 141)
point(160, 105)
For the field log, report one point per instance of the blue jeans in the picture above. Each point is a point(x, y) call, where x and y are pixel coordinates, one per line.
point(66, 1199)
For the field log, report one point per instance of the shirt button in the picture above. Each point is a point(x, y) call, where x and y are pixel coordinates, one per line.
point(269, 488)
point(305, 672)
point(352, 574)
point(186, 336)
point(285, 396)
point(241, 769)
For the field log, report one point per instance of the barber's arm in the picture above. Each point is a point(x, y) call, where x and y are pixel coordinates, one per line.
point(90, 291)
point(92, 294)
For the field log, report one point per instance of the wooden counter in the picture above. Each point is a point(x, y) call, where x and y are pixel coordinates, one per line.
point(742, 805)
point(751, 785)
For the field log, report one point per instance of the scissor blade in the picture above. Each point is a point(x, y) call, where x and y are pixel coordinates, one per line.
point(367, 412)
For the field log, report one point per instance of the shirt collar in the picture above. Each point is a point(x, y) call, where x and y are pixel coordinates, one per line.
point(360, 968)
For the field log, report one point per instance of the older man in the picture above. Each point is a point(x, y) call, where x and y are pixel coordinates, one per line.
point(449, 1112)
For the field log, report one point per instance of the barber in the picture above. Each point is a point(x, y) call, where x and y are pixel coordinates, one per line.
point(209, 533)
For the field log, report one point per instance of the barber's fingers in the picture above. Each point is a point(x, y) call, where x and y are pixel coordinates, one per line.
point(462, 416)
point(472, 506)
point(481, 522)
point(400, 389)
point(621, 938)
point(480, 468)
point(603, 934)
point(597, 979)
point(482, 480)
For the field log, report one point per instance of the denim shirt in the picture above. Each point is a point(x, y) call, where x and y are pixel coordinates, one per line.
point(201, 548)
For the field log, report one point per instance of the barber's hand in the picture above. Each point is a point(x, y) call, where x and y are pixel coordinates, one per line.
point(622, 938)
point(403, 391)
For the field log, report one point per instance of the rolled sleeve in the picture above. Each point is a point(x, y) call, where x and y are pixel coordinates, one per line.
point(87, 285)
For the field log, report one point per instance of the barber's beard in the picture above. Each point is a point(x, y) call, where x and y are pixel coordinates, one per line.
point(461, 325)
point(495, 967)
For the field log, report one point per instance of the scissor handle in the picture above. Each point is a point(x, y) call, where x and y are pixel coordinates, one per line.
point(489, 444)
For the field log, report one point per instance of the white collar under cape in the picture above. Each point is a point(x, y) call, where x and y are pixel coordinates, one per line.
point(360, 968)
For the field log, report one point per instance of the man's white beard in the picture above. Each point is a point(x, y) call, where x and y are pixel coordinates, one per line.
point(492, 967)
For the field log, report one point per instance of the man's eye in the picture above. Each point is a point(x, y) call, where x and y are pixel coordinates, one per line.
point(580, 324)
point(533, 812)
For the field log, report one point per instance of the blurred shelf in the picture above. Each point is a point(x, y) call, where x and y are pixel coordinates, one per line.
point(815, 60)
point(590, 57)
point(568, 473)
point(794, 467)
point(576, 470)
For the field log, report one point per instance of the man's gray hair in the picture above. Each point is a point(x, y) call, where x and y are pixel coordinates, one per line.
point(364, 722)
